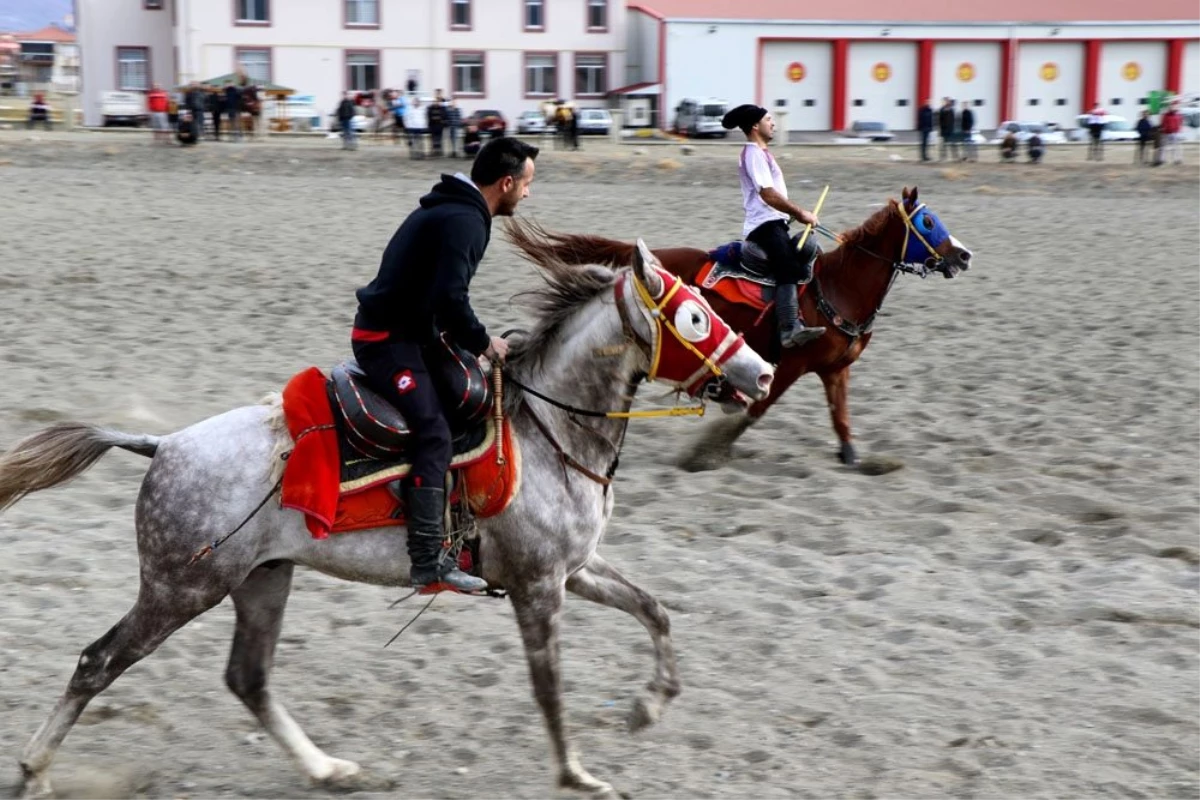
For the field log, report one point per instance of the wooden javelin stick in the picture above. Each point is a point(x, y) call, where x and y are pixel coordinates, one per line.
point(498, 410)
point(816, 211)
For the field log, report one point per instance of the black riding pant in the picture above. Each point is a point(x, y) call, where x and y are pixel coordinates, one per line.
point(773, 238)
point(397, 371)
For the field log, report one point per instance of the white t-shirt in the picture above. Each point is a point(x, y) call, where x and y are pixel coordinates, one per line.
point(758, 170)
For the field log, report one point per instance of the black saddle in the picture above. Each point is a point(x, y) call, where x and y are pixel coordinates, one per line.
point(371, 427)
point(748, 261)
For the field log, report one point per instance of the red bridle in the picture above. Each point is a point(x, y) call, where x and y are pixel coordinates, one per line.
point(700, 341)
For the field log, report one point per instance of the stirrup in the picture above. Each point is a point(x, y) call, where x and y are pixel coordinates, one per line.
point(801, 335)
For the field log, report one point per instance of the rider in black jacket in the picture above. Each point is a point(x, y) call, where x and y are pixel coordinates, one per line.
point(421, 291)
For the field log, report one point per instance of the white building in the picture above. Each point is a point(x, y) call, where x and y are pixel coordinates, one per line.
point(508, 55)
point(827, 66)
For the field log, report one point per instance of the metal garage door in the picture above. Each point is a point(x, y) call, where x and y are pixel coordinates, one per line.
point(1191, 67)
point(1128, 72)
point(883, 84)
point(801, 75)
point(1050, 82)
point(969, 71)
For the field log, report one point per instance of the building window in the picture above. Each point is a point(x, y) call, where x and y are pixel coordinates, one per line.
point(535, 15)
point(362, 70)
point(255, 62)
point(252, 12)
point(153, 5)
point(591, 74)
point(460, 15)
point(467, 71)
point(597, 15)
point(362, 12)
point(541, 74)
point(133, 69)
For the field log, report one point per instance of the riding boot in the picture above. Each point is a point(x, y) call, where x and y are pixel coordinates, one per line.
point(431, 562)
point(792, 330)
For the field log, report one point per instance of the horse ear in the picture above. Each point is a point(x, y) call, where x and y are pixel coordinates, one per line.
point(644, 263)
point(904, 195)
point(912, 197)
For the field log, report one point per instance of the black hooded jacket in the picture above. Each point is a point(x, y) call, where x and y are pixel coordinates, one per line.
point(421, 287)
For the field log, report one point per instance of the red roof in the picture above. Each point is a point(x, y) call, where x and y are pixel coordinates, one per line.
point(50, 33)
point(926, 10)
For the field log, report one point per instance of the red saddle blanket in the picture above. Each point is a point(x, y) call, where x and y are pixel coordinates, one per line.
point(732, 288)
point(311, 477)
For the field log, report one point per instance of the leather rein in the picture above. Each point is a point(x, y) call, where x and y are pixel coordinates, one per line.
point(652, 352)
point(856, 330)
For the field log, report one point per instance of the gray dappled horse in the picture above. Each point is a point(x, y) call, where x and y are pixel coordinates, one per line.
point(599, 332)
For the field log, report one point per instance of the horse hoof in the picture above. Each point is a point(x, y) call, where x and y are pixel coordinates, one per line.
point(847, 455)
point(646, 711)
point(704, 459)
point(337, 773)
point(581, 781)
point(36, 788)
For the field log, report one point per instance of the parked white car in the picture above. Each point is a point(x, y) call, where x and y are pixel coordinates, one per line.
point(531, 122)
point(1023, 130)
point(594, 120)
point(1116, 129)
point(123, 108)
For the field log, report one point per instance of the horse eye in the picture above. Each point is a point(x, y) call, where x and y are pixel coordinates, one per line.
point(926, 223)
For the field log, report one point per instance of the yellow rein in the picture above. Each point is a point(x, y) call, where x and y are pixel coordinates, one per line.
point(912, 229)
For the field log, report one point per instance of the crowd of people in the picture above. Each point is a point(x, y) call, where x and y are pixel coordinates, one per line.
point(203, 108)
point(955, 127)
point(431, 129)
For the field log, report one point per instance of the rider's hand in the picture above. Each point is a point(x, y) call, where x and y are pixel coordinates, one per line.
point(497, 350)
point(808, 218)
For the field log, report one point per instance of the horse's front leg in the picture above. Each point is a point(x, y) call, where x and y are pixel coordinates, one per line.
point(538, 608)
point(601, 583)
point(837, 386)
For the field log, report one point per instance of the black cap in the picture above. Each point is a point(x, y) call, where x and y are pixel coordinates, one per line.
point(745, 116)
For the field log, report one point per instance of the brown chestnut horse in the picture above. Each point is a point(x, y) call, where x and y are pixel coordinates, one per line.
point(846, 293)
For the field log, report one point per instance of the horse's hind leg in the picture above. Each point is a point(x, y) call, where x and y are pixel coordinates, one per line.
point(837, 387)
point(538, 613)
point(154, 617)
point(260, 601)
point(601, 583)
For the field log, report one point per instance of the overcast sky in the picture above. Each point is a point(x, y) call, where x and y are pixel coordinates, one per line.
point(29, 15)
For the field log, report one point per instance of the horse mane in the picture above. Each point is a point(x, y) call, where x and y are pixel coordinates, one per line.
point(568, 285)
point(869, 229)
point(573, 248)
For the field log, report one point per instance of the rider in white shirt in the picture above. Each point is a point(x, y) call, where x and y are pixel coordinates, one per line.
point(764, 196)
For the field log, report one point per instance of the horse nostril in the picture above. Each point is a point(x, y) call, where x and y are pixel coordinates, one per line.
point(964, 256)
point(764, 382)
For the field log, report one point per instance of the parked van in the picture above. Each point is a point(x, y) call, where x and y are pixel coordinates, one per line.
point(123, 108)
point(701, 117)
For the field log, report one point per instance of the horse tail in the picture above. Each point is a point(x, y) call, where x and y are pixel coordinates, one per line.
point(58, 454)
point(538, 244)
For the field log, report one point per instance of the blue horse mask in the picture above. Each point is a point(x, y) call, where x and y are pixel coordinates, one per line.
point(924, 236)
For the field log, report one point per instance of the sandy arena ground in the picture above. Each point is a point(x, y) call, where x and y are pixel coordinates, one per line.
point(1012, 614)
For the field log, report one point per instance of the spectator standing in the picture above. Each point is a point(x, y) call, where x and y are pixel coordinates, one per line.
point(233, 109)
point(216, 108)
point(345, 115)
point(1172, 133)
point(416, 120)
point(1095, 124)
point(925, 127)
point(157, 104)
point(946, 130)
point(454, 122)
point(437, 124)
point(399, 106)
point(194, 100)
point(966, 127)
point(1145, 132)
